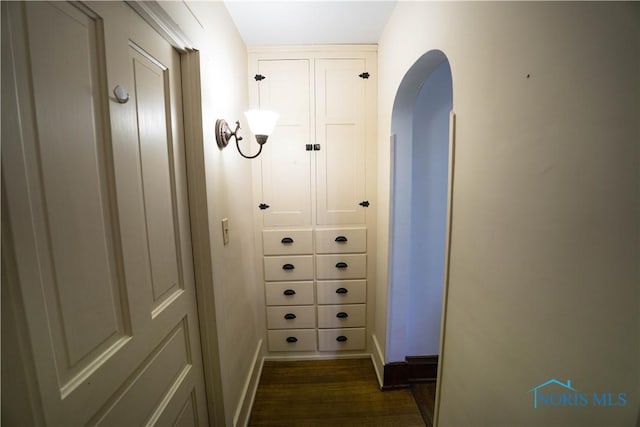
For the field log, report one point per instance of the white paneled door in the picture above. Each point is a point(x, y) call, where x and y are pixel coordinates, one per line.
point(95, 186)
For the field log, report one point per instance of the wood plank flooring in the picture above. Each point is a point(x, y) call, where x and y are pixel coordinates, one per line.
point(425, 397)
point(329, 393)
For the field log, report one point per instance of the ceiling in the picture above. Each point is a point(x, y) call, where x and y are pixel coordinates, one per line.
point(268, 23)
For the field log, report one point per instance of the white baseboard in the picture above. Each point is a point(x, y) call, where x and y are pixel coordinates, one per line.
point(243, 410)
point(378, 360)
point(331, 356)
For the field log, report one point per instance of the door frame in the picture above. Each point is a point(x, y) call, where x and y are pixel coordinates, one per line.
point(153, 14)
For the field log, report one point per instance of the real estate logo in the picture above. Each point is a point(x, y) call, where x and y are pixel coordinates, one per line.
point(554, 393)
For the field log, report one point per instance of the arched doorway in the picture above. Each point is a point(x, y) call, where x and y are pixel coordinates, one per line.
point(419, 207)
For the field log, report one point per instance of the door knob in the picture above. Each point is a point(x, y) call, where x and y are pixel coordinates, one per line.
point(122, 96)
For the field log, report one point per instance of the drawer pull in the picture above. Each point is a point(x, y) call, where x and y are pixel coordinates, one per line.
point(289, 292)
point(342, 338)
point(341, 291)
point(341, 239)
point(286, 240)
point(288, 267)
point(292, 339)
point(342, 315)
point(289, 316)
point(341, 265)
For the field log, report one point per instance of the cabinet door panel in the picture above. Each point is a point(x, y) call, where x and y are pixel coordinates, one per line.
point(340, 131)
point(342, 291)
point(283, 268)
point(287, 242)
point(289, 293)
point(292, 340)
point(341, 240)
point(341, 339)
point(341, 316)
point(291, 317)
point(286, 165)
point(346, 266)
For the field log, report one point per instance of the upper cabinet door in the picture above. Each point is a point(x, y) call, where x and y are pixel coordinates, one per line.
point(286, 165)
point(340, 131)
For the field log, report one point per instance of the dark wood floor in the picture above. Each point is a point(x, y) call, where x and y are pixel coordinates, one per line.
point(425, 396)
point(329, 393)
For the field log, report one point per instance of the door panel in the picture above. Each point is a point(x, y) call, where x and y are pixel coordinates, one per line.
point(340, 131)
point(97, 207)
point(286, 165)
point(150, 86)
point(77, 233)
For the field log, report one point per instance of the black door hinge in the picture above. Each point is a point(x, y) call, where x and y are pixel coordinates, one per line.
point(364, 75)
point(364, 204)
point(263, 206)
point(259, 77)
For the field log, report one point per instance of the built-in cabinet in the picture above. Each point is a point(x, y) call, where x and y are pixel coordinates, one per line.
point(314, 187)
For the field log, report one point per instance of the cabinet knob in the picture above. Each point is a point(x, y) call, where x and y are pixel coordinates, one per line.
point(341, 291)
point(289, 292)
point(288, 267)
point(342, 315)
point(341, 265)
point(341, 239)
point(342, 338)
point(292, 339)
point(289, 316)
point(286, 240)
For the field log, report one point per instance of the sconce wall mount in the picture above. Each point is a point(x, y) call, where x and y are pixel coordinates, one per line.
point(261, 124)
point(224, 133)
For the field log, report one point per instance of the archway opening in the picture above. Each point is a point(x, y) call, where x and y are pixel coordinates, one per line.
point(419, 203)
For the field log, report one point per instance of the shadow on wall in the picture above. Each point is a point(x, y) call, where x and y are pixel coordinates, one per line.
point(420, 170)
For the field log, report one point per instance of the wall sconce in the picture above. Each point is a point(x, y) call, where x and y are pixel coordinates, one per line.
point(261, 124)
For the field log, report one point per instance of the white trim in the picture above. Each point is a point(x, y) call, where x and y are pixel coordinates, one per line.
point(330, 356)
point(378, 360)
point(321, 49)
point(202, 264)
point(248, 395)
point(447, 262)
point(153, 14)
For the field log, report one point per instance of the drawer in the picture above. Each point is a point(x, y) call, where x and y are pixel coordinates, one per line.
point(341, 266)
point(289, 293)
point(292, 340)
point(341, 240)
point(281, 268)
point(291, 317)
point(342, 291)
point(287, 242)
point(342, 316)
point(341, 339)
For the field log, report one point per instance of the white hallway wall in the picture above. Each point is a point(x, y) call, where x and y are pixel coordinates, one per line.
point(223, 67)
point(544, 278)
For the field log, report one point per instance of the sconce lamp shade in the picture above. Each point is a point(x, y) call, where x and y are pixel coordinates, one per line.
point(261, 123)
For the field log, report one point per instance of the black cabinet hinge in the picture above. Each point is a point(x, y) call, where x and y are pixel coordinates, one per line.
point(364, 204)
point(364, 75)
point(263, 206)
point(259, 77)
